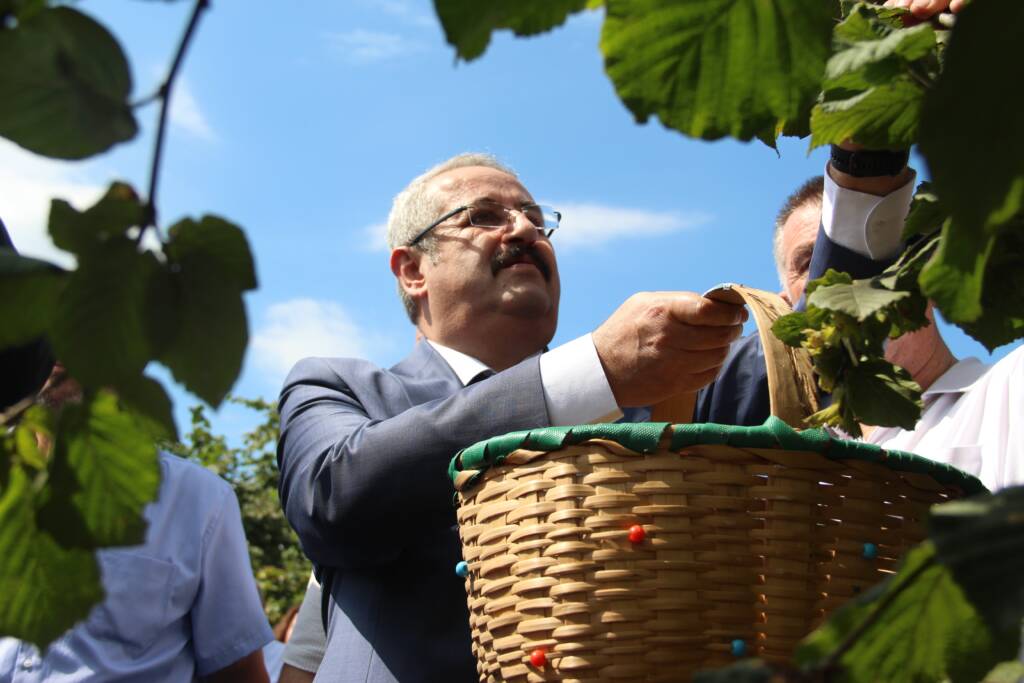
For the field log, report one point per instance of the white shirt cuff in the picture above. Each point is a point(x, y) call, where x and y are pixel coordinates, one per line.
point(575, 388)
point(864, 223)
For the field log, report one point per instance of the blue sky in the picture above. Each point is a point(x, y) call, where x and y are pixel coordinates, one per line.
point(300, 121)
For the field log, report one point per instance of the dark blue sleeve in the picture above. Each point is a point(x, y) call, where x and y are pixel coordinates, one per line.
point(361, 479)
point(740, 394)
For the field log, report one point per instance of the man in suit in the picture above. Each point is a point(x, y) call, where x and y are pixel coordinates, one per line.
point(364, 450)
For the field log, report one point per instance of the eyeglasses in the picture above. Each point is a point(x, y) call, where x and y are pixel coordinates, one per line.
point(492, 215)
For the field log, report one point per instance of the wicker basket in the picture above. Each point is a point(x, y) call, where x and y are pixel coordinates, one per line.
point(751, 537)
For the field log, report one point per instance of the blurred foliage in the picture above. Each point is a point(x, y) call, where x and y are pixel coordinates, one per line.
point(65, 89)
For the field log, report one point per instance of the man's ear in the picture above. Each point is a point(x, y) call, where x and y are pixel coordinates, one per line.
point(405, 264)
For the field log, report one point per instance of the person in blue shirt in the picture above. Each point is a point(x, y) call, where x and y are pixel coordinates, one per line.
point(180, 607)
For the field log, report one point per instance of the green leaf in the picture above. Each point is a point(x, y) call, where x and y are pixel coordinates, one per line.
point(1002, 295)
point(927, 631)
point(44, 588)
point(29, 291)
point(879, 392)
point(712, 68)
point(19, 9)
point(1007, 672)
point(884, 116)
point(981, 540)
point(65, 86)
point(468, 24)
point(99, 330)
point(148, 400)
point(210, 266)
point(926, 214)
point(746, 671)
point(790, 328)
point(831, 277)
point(106, 465)
point(873, 83)
point(977, 283)
point(904, 44)
point(863, 22)
point(860, 298)
point(971, 117)
point(79, 232)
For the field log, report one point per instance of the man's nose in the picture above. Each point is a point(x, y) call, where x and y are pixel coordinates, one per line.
point(520, 229)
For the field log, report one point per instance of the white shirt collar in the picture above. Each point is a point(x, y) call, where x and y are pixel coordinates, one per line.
point(465, 367)
point(958, 378)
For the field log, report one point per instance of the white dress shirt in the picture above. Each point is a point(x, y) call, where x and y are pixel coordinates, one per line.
point(865, 223)
point(973, 419)
point(576, 390)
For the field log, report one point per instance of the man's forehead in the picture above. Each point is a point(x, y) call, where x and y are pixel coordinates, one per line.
point(802, 225)
point(470, 183)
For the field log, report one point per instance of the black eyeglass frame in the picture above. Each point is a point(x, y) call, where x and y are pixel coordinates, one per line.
point(423, 233)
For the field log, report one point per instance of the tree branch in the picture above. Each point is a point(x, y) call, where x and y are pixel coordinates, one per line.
point(164, 94)
point(11, 415)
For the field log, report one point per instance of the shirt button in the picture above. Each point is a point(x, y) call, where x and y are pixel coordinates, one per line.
point(29, 663)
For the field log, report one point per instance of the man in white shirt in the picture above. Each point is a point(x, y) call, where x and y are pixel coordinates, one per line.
point(972, 411)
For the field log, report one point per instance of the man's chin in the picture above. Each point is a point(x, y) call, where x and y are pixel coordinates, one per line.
point(528, 303)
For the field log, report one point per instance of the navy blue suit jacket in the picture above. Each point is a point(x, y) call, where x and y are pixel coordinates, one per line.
point(363, 455)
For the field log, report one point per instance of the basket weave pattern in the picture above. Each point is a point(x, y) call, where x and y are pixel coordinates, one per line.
point(756, 544)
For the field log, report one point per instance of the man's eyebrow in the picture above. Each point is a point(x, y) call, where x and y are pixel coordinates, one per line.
point(488, 198)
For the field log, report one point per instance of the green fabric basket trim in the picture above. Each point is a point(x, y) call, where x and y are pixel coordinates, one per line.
point(643, 437)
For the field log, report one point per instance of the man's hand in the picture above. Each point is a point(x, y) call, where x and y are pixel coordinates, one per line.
point(660, 344)
point(926, 9)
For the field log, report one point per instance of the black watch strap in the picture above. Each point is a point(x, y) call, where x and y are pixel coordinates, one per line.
point(866, 163)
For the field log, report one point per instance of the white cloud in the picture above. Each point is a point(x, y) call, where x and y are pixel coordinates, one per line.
point(186, 115)
point(27, 184)
point(360, 46)
point(376, 236)
point(297, 328)
point(404, 10)
point(586, 224)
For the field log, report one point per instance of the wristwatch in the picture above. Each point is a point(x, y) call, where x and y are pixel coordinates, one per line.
point(865, 163)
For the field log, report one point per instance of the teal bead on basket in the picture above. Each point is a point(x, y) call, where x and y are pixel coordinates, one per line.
point(462, 569)
point(870, 551)
point(739, 647)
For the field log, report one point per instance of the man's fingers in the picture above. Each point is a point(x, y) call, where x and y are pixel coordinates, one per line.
point(922, 9)
point(697, 310)
point(925, 9)
point(704, 337)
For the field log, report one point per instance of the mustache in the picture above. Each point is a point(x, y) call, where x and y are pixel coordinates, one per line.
point(516, 253)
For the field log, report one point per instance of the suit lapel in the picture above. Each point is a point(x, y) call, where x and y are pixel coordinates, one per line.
point(426, 375)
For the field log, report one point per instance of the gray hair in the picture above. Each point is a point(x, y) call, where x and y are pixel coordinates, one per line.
point(414, 208)
point(810, 191)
